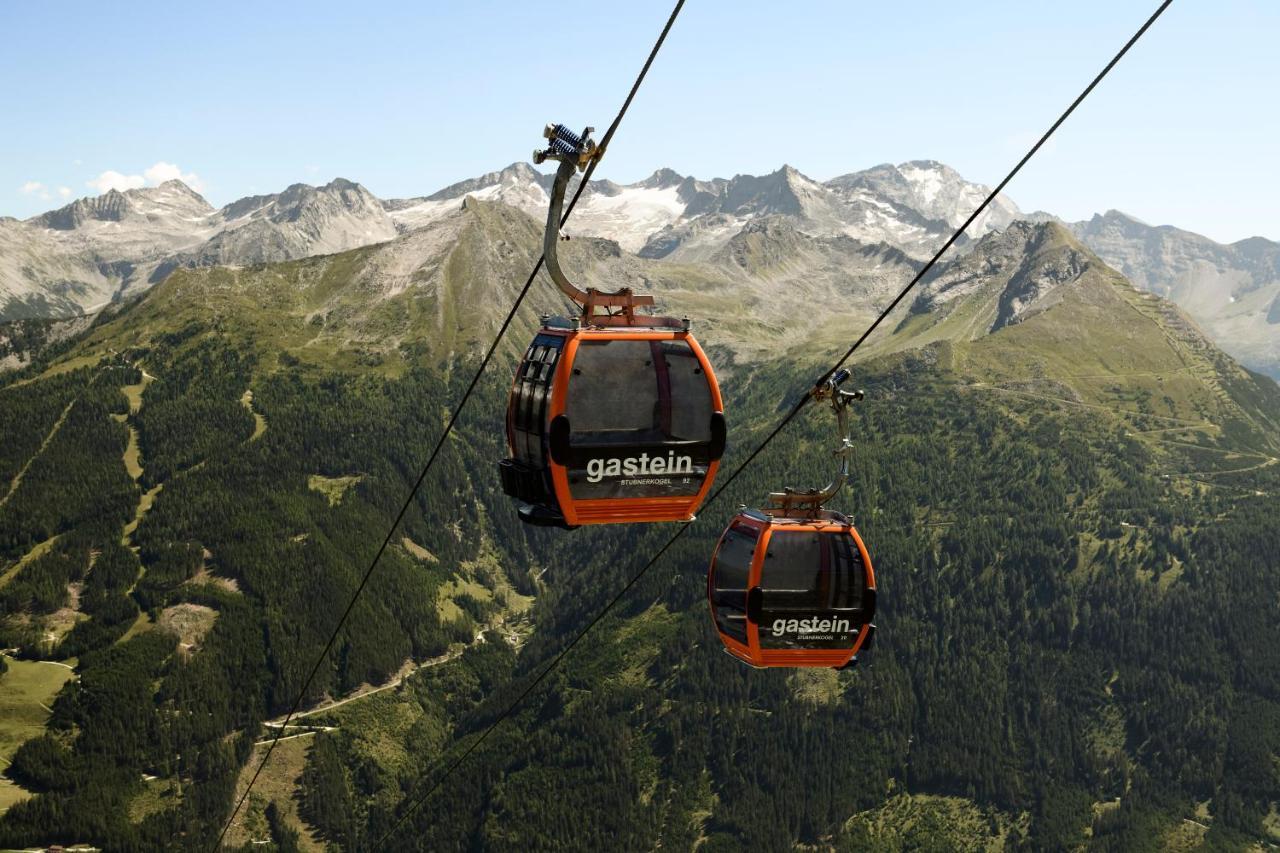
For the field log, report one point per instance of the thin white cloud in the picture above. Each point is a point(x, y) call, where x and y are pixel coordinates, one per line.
point(113, 180)
point(36, 189)
point(162, 171)
point(65, 192)
point(153, 175)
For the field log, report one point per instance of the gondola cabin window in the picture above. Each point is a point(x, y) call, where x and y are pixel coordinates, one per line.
point(640, 416)
point(732, 579)
point(812, 586)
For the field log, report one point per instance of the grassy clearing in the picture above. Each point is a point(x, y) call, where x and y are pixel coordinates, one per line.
point(205, 577)
point(418, 551)
point(144, 506)
point(133, 455)
point(259, 422)
point(140, 626)
point(190, 623)
point(817, 686)
point(383, 725)
point(451, 590)
point(278, 784)
point(488, 569)
point(333, 488)
point(157, 795)
point(134, 392)
point(27, 691)
point(925, 821)
point(11, 794)
point(631, 650)
point(74, 363)
point(1271, 823)
point(59, 623)
point(1185, 835)
point(482, 579)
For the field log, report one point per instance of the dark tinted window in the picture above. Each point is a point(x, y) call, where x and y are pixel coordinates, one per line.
point(729, 580)
point(638, 392)
point(810, 570)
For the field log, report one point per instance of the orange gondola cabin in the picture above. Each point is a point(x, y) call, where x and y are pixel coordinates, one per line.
point(792, 591)
point(792, 585)
point(613, 416)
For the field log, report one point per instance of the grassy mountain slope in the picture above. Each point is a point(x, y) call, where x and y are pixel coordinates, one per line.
point(1077, 576)
point(1073, 330)
point(1232, 290)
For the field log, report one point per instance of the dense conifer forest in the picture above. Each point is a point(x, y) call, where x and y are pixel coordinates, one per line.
point(1075, 647)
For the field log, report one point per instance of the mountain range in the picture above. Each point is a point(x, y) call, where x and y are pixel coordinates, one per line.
point(885, 219)
point(1069, 492)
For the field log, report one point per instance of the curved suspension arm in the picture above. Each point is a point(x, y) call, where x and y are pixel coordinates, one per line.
point(577, 151)
point(812, 500)
point(551, 237)
point(839, 402)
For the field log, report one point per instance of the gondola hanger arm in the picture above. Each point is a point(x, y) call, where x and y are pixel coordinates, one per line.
point(810, 501)
point(576, 152)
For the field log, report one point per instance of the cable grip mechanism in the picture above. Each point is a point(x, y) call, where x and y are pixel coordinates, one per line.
point(565, 145)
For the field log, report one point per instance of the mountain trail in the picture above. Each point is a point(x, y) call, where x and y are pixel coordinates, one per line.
point(986, 386)
point(17, 478)
point(405, 672)
point(259, 422)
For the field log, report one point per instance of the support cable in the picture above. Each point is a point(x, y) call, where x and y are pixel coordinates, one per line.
point(795, 410)
point(453, 419)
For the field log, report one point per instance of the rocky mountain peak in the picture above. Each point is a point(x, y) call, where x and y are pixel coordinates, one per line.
point(663, 178)
point(173, 198)
point(122, 229)
point(1011, 275)
point(1116, 223)
point(516, 174)
point(111, 206)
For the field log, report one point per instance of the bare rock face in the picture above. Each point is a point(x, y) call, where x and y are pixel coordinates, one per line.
point(300, 222)
point(1230, 290)
point(42, 277)
point(163, 207)
point(1033, 287)
point(782, 229)
point(98, 249)
point(94, 250)
point(914, 206)
point(1010, 276)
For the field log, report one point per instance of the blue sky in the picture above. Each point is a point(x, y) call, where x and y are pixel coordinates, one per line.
point(406, 98)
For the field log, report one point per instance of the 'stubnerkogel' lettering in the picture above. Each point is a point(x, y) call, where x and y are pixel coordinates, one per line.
point(639, 466)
